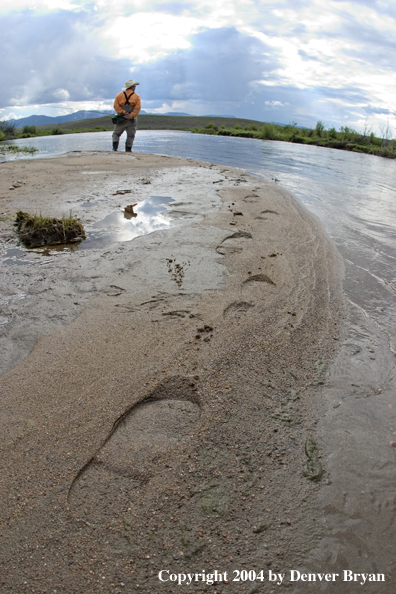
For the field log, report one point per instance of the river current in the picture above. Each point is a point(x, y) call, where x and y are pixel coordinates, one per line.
point(354, 197)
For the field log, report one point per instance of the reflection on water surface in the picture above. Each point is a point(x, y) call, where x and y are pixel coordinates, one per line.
point(148, 216)
point(119, 225)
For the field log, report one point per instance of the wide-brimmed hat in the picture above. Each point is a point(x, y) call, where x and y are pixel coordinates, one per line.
point(130, 83)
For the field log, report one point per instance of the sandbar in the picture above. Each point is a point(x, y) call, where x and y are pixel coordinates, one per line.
point(159, 394)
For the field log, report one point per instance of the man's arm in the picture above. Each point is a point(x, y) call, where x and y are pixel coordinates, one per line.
point(137, 107)
point(117, 104)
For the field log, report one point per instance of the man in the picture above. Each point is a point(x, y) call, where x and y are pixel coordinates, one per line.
point(128, 103)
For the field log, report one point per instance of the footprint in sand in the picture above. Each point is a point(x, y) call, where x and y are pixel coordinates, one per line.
point(259, 278)
point(251, 198)
point(237, 309)
point(263, 212)
point(114, 291)
point(233, 240)
point(131, 454)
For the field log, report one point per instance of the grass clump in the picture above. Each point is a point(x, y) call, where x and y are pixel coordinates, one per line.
point(13, 148)
point(29, 131)
point(268, 132)
point(36, 230)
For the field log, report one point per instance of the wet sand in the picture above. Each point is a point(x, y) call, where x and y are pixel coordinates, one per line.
point(158, 394)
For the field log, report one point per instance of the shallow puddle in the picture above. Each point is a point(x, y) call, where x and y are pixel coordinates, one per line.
point(147, 216)
point(15, 257)
point(19, 256)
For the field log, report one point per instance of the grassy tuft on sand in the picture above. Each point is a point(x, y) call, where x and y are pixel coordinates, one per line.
point(37, 230)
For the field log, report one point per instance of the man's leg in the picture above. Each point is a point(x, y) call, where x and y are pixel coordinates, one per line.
point(118, 130)
point(131, 131)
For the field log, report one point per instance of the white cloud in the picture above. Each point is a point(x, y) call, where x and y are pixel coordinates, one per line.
point(321, 51)
point(54, 109)
point(61, 94)
point(4, 116)
point(7, 7)
point(276, 103)
point(144, 37)
point(178, 106)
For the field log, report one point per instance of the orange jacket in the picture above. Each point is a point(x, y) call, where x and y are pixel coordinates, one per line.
point(134, 100)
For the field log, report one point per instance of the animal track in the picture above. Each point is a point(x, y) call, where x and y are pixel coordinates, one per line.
point(228, 250)
point(259, 278)
point(131, 453)
point(180, 313)
point(206, 332)
point(260, 217)
point(114, 291)
point(251, 198)
point(225, 250)
point(236, 308)
point(176, 271)
point(238, 235)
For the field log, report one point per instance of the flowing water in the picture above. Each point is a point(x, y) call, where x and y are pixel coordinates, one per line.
point(354, 196)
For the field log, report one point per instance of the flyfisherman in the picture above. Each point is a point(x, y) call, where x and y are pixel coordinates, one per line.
point(128, 104)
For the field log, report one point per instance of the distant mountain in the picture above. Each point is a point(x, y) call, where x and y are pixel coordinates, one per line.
point(40, 120)
point(181, 113)
point(168, 113)
point(174, 113)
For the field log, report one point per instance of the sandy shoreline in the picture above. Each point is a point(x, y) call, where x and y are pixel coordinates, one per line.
point(160, 420)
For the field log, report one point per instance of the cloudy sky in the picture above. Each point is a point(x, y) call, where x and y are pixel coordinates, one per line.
point(274, 61)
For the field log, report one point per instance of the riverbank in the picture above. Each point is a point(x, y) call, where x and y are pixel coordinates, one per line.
point(346, 139)
point(160, 394)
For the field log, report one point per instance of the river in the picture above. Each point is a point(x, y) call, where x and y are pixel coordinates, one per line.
point(354, 197)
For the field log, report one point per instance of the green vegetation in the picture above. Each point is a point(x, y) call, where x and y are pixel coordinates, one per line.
point(36, 230)
point(344, 139)
point(13, 148)
point(7, 131)
point(28, 131)
point(320, 128)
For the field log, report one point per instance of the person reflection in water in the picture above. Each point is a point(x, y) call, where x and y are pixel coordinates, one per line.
point(129, 213)
point(128, 104)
